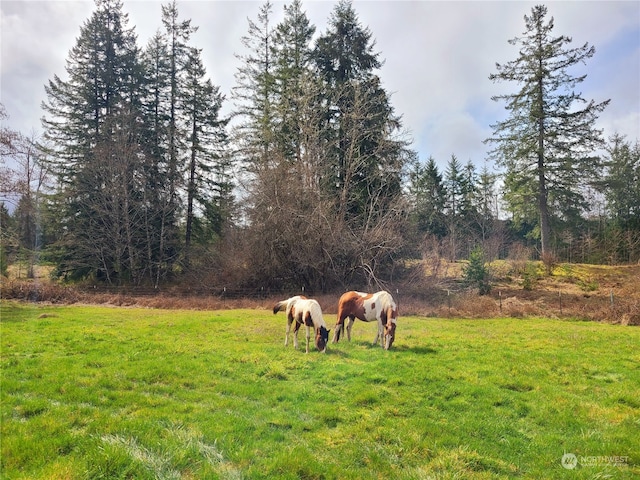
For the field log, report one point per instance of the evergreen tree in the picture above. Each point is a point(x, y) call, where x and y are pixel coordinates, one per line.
point(345, 60)
point(364, 151)
point(469, 203)
point(255, 92)
point(621, 183)
point(455, 188)
point(428, 192)
point(292, 59)
point(161, 218)
point(487, 196)
point(546, 144)
point(454, 183)
point(99, 102)
point(202, 103)
point(366, 154)
point(178, 32)
point(103, 74)
point(486, 207)
point(157, 101)
point(345, 52)
point(260, 139)
point(476, 273)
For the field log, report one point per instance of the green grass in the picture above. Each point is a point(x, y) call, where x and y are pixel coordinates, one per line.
point(98, 392)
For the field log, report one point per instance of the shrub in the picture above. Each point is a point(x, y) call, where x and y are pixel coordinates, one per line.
point(529, 276)
point(476, 272)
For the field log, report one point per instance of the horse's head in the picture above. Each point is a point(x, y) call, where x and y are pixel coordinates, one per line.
point(389, 334)
point(322, 338)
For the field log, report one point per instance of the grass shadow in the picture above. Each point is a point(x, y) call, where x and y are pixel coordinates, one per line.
point(335, 350)
point(395, 348)
point(418, 350)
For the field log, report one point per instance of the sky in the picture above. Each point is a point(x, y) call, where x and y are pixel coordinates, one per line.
point(437, 55)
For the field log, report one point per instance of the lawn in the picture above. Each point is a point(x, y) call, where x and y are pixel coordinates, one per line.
point(100, 392)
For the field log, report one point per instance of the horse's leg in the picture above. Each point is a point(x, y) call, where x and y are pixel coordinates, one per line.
point(295, 335)
point(336, 332)
point(339, 327)
point(352, 319)
point(286, 336)
point(380, 334)
point(308, 337)
point(382, 320)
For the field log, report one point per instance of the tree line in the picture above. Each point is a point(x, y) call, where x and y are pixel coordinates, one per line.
point(139, 179)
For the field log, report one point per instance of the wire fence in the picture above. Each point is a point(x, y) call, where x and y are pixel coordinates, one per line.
point(450, 301)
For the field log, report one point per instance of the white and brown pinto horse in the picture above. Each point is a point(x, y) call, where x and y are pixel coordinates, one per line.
point(307, 312)
point(368, 307)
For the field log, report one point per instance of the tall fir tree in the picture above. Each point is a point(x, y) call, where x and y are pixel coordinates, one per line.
point(365, 151)
point(157, 98)
point(454, 183)
point(178, 33)
point(99, 102)
point(103, 73)
point(292, 61)
point(366, 154)
point(469, 203)
point(254, 94)
point(206, 142)
point(486, 207)
point(621, 182)
point(455, 187)
point(428, 192)
point(547, 142)
point(161, 219)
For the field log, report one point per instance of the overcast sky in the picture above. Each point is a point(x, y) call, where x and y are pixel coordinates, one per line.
point(438, 56)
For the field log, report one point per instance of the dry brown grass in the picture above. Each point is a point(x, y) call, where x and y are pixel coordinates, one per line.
point(589, 292)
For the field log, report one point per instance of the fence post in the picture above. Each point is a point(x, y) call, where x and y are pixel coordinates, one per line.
point(560, 298)
point(611, 298)
point(500, 298)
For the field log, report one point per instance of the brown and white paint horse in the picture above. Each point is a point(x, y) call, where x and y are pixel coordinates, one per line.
point(368, 307)
point(307, 312)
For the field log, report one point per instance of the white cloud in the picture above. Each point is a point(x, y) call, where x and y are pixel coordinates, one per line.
point(438, 56)
point(36, 39)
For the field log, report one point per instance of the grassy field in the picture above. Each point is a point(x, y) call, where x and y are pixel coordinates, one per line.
point(101, 392)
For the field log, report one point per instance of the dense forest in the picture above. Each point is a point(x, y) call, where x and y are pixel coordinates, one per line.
point(138, 179)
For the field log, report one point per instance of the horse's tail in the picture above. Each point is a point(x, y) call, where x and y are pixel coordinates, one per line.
point(280, 306)
point(286, 304)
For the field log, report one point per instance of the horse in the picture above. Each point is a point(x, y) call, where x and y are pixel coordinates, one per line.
point(308, 312)
point(368, 307)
